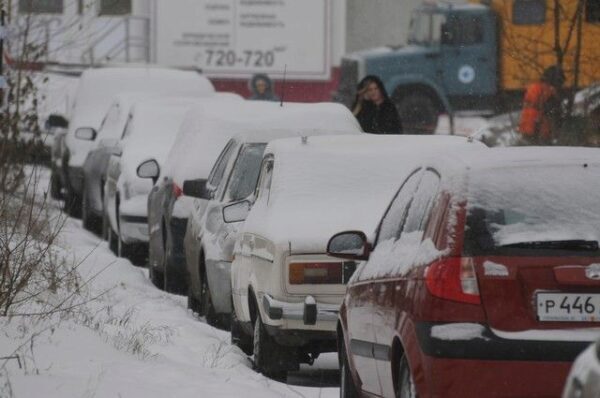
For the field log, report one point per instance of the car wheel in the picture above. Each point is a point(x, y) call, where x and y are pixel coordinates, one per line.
point(156, 277)
point(238, 336)
point(55, 187)
point(406, 386)
point(192, 302)
point(72, 204)
point(112, 241)
point(418, 113)
point(174, 280)
point(206, 305)
point(347, 387)
point(105, 226)
point(89, 221)
point(265, 350)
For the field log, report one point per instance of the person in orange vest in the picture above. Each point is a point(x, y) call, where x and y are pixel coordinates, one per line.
point(541, 108)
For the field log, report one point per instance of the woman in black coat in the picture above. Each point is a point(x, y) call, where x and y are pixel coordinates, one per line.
point(373, 108)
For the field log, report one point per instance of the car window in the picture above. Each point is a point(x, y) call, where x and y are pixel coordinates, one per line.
point(393, 219)
point(422, 202)
point(219, 168)
point(244, 175)
point(266, 175)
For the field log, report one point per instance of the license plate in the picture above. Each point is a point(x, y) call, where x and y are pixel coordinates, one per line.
point(568, 307)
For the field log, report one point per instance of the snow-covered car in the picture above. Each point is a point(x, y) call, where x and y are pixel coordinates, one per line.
point(483, 260)
point(209, 237)
point(584, 378)
point(150, 132)
point(96, 162)
point(95, 91)
point(286, 290)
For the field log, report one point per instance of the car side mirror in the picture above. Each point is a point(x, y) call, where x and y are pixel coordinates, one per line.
point(196, 189)
point(351, 245)
point(149, 169)
point(56, 121)
point(236, 212)
point(86, 133)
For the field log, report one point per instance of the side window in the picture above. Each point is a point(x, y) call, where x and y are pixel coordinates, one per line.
point(219, 168)
point(244, 176)
point(392, 221)
point(422, 202)
point(529, 12)
point(263, 189)
point(41, 6)
point(114, 7)
point(463, 31)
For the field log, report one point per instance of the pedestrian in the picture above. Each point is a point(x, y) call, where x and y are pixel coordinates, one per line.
point(261, 88)
point(541, 114)
point(373, 108)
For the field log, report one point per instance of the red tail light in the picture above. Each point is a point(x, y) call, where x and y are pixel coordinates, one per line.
point(177, 191)
point(316, 273)
point(453, 279)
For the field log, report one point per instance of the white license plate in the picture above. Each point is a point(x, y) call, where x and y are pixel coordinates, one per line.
point(568, 307)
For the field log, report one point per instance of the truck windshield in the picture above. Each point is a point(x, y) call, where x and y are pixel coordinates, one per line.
point(426, 28)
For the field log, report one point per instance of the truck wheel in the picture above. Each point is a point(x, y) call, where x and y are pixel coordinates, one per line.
point(406, 386)
point(347, 387)
point(266, 353)
point(238, 336)
point(418, 113)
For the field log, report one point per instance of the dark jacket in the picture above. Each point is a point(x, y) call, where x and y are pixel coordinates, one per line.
point(382, 119)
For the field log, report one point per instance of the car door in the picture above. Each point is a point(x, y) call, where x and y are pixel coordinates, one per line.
point(393, 292)
point(363, 293)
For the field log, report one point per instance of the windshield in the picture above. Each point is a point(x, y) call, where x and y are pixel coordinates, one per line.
point(245, 172)
point(505, 209)
point(426, 28)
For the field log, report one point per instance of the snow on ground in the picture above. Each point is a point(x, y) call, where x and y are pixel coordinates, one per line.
point(133, 340)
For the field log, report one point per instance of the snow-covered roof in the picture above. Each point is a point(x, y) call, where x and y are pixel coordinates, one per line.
point(97, 87)
point(210, 124)
point(331, 184)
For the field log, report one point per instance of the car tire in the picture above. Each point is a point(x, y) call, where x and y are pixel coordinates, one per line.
point(206, 306)
point(406, 386)
point(266, 352)
point(72, 204)
point(89, 221)
point(347, 387)
point(418, 113)
point(55, 187)
point(173, 278)
point(113, 244)
point(239, 338)
point(156, 277)
point(192, 302)
point(105, 226)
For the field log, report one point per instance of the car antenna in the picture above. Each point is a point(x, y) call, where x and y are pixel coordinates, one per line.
point(283, 85)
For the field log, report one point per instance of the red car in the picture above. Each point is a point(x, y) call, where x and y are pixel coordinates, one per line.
point(483, 279)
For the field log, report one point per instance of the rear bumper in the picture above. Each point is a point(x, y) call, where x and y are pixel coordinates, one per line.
point(484, 364)
point(437, 342)
point(310, 312)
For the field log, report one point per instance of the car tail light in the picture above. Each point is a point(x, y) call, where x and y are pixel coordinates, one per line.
point(453, 279)
point(315, 273)
point(177, 191)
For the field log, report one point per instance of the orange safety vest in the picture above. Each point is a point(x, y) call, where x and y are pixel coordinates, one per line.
point(534, 121)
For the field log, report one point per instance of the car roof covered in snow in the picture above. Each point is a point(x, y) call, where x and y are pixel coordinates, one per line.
point(97, 88)
point(152, 128)
point(208, 127)
point(331, 184)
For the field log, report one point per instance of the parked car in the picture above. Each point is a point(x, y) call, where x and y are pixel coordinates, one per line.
point(286, 291)
point(150, 132)
point(94, 168)
point(209, 237)
point(96, 89)
point(482, 261)
point(584, 378)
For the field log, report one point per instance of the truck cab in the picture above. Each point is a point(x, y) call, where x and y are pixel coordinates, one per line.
point(449, 63)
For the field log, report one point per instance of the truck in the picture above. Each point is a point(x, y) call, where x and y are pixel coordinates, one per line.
point(478, 56)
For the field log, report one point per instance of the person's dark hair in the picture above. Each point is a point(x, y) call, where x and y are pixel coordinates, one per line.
point(373, 79)
point(554, 75)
